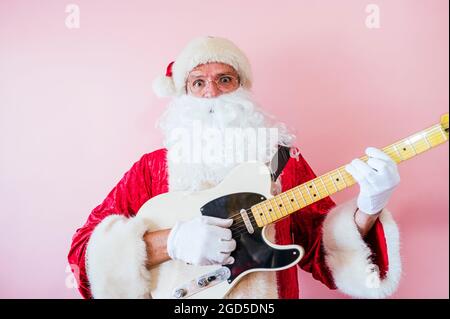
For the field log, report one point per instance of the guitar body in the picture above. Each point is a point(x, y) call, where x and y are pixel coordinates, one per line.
point(246, 185)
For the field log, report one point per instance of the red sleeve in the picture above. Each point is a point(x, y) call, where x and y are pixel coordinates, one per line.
point(132, 191)
point(306, 228)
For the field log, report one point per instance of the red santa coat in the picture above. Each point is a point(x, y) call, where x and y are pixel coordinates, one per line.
point(335, 253)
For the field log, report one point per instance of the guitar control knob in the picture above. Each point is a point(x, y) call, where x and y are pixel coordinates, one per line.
point(180, 293)
point(202, 282)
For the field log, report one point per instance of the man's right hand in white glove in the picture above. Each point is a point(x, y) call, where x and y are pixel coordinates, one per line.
point(202, 241)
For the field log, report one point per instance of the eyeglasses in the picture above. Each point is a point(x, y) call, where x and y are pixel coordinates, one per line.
point(224, 83)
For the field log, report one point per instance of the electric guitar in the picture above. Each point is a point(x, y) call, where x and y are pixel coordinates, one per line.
point(245, 196)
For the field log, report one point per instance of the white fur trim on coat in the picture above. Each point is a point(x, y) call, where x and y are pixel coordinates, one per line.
point(115, 259)
point(348, 256)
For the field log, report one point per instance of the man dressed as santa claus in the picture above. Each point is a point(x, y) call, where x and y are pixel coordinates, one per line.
point(353, 247)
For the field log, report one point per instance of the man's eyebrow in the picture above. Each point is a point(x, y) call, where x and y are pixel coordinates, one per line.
point(196, 76)
point(228, 73)
point(220, 74)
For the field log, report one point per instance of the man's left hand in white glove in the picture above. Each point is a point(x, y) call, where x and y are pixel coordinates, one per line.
point(377, 179)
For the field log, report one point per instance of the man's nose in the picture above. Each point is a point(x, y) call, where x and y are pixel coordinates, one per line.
point(211, 90)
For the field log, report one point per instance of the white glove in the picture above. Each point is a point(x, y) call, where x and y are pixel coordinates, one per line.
point(377, 180)
point(202, 241)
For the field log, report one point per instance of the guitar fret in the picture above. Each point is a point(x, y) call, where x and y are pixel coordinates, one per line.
point(309, 194)
point(435, 138)
point(265, 218)
point(269, 210)
point(274, 210)
point(257, 215)
point(284, 206)
point(324, 185)
point(398, 152)
point(337, 180)
point(339, 171)
point(332, 180)
point(443, 134)
point(412, 146)
point(426, 140)
point(289, 201)
point(420, 142)
point(393, 154)
point(298, 189)
point(407, 149)
point(295, 198)
point(319, 193)
point(277, 208)
point(271, 214)
point(266, 215)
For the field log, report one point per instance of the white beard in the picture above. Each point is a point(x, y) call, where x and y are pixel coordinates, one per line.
point(207, 137)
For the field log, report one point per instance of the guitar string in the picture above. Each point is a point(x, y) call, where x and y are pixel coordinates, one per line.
point(326, 183)
point(242, 229)
point(241, 224)
point(252, 218)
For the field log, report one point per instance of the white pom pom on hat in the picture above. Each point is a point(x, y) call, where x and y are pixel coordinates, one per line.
point(163, 86)
point(200, 51)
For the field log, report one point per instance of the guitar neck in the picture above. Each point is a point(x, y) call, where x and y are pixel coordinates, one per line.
point(288, 202)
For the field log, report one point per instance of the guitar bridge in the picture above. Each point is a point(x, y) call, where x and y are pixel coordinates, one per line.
point(203, 282)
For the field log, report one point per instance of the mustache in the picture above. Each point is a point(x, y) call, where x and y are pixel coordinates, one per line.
point(232, 110)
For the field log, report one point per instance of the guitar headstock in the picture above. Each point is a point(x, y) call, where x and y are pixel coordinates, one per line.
point(444, 123)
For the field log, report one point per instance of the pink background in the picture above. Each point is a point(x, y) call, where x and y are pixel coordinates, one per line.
point(77, 110)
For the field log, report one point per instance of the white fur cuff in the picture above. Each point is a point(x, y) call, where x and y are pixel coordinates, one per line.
point(115, 259)
point(348, 256)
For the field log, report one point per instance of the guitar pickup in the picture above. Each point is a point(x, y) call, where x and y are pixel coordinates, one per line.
point(247, 222)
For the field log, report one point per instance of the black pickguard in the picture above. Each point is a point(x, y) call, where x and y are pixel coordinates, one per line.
point(251, 250)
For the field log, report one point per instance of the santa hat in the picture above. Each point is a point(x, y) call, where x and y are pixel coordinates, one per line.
point(200, 51)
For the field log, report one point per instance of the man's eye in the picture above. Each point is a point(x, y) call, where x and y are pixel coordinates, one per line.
point(197, 83)
point(225, 79)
